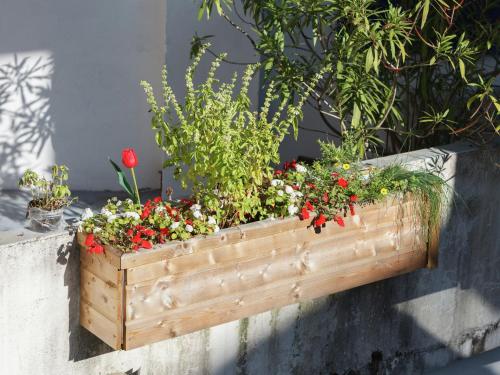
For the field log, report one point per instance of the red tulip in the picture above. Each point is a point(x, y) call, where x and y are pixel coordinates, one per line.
point(129, 158)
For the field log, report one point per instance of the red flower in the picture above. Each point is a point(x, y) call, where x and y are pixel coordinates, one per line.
point(145, 212)
point(278, 172)
point(146, 244)
point(325, 197)
point(164, 231)
point(96, 249)
point(351, 208)
point(157, 199)
point(312, 186)
point(334, 174)
point(137, 238)
point(187, 202)
point(89, 240)
point(304, 214)
point(148, 232)
point(130, 233)
point(129, 158)
point(309, 206)
point(353, 198)
point(343, 183)
point(320, 221)
point(295, 187)
point(339, 221)
point(189, 222)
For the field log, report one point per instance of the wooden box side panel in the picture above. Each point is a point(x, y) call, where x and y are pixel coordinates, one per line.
point(192, 292)
point(101, 298)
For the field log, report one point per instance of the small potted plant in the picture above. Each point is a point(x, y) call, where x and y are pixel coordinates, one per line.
point(49, 198)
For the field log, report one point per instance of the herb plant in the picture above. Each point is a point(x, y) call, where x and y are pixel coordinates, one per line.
point(217, 143)
point(48, 194)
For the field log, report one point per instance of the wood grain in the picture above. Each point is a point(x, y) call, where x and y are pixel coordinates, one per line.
point(228, 308)
point(134, 299)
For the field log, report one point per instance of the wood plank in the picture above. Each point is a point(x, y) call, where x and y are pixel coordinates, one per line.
point(99, 325)
point(173, 292)
point(231, 236)
point(100, 266)
point(212, 258)
point(261, 299)
point(104, 296)
point(112, 255)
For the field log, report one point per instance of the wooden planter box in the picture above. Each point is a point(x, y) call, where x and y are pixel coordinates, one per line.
point(133, 299)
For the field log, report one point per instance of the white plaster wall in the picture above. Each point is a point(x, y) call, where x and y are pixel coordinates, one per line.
point(69, 86)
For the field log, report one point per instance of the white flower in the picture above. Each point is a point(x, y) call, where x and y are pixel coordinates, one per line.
point(189, 228)
point(298, 194)
point(211, 220)
point(129, 201)
point(195, 207)
point(106, 212)
point(174, 225)
point(300, 168)
point(292, 210)
point(118, 203)
point(132, 214)
point(289, 189)
point(280, 193)
point(97, 230)
point(112, 218)
point(276, 182)
point(87, 214)
point(216, 229)
point(159, 209)
point(197, 214)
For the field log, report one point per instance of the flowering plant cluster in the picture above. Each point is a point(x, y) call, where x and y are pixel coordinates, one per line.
point(327, 190)
point(130, 226)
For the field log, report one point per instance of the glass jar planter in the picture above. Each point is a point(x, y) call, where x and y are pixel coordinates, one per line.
point(41, 220)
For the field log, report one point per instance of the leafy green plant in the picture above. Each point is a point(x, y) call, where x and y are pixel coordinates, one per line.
point(217, 143)
point(400, 75)
point(48, 194)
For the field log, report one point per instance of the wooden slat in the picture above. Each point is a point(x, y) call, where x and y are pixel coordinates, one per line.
point(231, 236)
point(112, 255)
point(99, 325)
point(227, 308)
point(101, 297)
point(104, 296)
point(178, 291)
point(212, 258)
point(100, 266)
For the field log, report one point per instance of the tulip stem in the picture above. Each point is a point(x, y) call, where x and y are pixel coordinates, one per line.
point(138, 199)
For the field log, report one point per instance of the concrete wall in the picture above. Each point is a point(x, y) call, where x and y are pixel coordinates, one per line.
point(69, 86)
point(404, 325)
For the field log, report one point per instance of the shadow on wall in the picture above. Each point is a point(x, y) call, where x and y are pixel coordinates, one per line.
point(25, 117)
point(405, 325)
point(82, 344)
point(69, 87)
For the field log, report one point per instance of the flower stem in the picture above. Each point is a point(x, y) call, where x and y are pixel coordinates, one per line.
point(138, 199)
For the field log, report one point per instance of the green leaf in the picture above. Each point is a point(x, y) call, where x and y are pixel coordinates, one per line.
point(356, 116)
point(369, 60)
point(122, 180)
point(461, 65)
point(425, 13)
